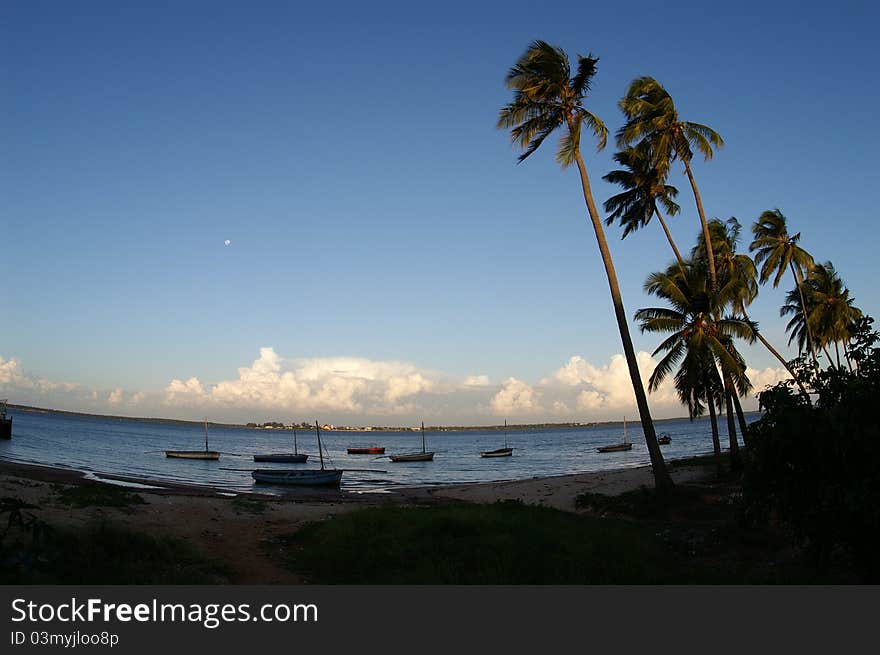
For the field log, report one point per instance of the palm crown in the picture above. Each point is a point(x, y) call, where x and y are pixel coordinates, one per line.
point(545, 97)
point(651, 119)
point(775, 250)
point(644, 187)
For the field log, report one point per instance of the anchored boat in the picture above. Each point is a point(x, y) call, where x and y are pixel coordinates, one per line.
point(424, 456)
point(617, 447)
point(195, 454)
point(284, 458)
point(322, 477)
point(499, 452)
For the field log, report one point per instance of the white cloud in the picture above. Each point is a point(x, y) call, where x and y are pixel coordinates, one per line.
point(356, 389)
point(515, 398)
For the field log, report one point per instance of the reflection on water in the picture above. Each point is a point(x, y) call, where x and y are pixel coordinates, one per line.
point(136, 449)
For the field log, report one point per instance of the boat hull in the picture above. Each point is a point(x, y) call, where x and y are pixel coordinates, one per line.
point(615, 448)
point(319, 478)
point(282, 458)
point(499, 452)
point(373, 450)
point(664, 441)
point(192, 454)
point(413, 457)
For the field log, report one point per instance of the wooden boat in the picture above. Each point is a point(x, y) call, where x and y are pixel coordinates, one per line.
point(499, 452)
point(617, 447)
point(5, 421)
point(195, 454)
point(284, 458)
point(664, 439)
point(423, 456)
point(299, 477)
point(321, 477)
point(367, 450)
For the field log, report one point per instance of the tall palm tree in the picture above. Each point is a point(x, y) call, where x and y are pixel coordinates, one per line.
point(830, 310)
point(546, 96)
point(644, 188)
point(699, 336)
point(777, 252)
point(652, 121)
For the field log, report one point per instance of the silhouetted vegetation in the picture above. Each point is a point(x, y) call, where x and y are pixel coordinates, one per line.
point(815, 465)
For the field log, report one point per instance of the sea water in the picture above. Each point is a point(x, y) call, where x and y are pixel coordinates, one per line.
point(135, 448)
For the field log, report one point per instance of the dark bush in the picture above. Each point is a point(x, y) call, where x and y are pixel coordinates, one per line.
point(814, 463)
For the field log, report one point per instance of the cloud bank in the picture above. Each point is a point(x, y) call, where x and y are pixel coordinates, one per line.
point(358, 390)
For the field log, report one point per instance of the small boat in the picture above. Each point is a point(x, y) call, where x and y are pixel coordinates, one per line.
point(499, 452)
point(423, 456)
point(321, 477)
point(195, 454)
point(367, 450)
point(284, 458)
point(617, 447)
point(664, 439)
point(5, 421)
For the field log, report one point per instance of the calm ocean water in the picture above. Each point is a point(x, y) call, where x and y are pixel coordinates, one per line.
point(133, 448)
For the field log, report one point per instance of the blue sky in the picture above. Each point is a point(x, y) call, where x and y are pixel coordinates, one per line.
point(349, 154)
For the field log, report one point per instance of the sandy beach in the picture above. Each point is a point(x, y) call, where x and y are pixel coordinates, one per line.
point(233, 533)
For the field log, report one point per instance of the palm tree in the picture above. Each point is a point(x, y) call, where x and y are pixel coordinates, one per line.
point(830, 312)
point(652, 121)
point(546, 97)
point(777, 252)
point(699, 337)
point(644, 188)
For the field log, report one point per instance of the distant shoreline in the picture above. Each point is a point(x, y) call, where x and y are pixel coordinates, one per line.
point(435, 428)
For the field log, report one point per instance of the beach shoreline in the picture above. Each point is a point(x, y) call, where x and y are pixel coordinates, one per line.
point(238, 529)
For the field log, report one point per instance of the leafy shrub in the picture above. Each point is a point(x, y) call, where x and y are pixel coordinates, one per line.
point(814, 463)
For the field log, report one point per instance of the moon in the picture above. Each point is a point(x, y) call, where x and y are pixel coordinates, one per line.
point(227, 242)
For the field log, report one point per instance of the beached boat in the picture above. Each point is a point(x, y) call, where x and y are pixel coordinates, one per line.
point(5, 421)
point(499, 452)
point(367, 450)
point(617, 447)
point(195, 454)
point(284, 458)
point(664, 439)
point(424, 456)
point(321, 477)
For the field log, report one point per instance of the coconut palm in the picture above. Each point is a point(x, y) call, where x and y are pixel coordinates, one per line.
point(776, 251)
point(546, 97)
point(738, 275)
point(644, 188)
point(699, 336)
point(830, 312)
point(652, 122)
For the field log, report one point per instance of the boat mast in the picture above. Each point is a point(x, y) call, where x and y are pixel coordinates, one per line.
point(423, 437)
point(624, 429)
point(320, 451)
point(206, 434)
point(295, 451)
point(505, 433)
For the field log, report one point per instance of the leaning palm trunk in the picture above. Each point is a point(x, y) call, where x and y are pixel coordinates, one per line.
point(799, 281)
point(743, 426)
point(731, 425)
point(706, 236)
point(716, 441)
point(678, 256)
point(784, 363)
point(662, 480)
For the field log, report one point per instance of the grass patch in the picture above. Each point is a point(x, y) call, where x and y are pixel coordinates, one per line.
point(504, 543)
point(96, 495)
point(248, 506)
point(103, 553)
